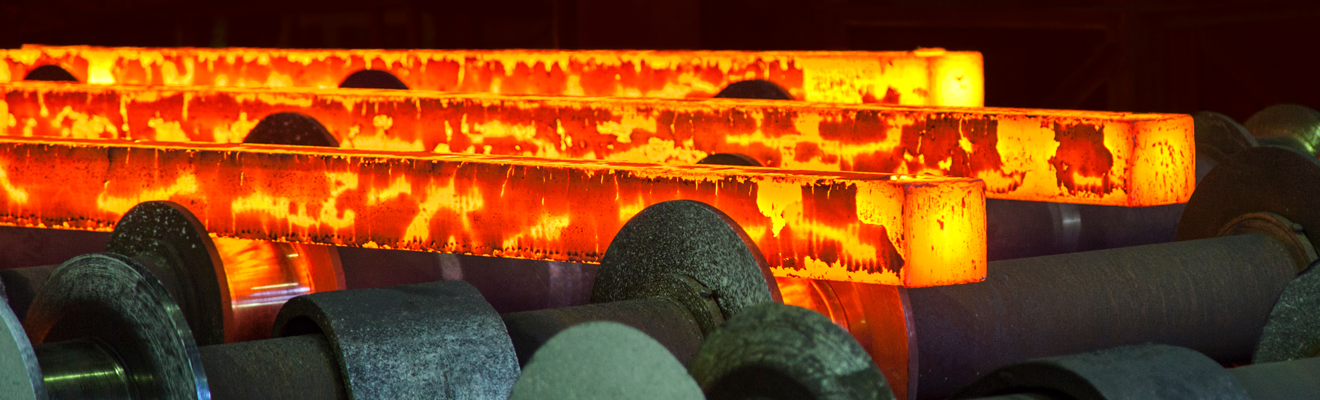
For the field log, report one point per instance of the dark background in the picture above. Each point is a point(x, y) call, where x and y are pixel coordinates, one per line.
point(1234, 57)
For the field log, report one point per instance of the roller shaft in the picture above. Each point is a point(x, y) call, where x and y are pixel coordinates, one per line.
point(296, 367)
point(660, 318)
point(1211, 295)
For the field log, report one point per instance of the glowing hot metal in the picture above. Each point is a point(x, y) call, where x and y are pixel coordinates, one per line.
point(914, 231)
point(922, 77)
point(1043, 155)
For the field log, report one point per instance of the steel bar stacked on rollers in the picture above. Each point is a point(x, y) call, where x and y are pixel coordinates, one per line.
point(922, 77)
point(1046, 155)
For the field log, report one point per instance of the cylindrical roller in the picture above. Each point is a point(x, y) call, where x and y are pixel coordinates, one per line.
point(83, 369)
point(604, 361)
point(1287, 125)
point(295, 367)
point(1293, 329)
point(102, 321)
point(1140, 372)
point(428, 340)
point(686, 238)
point(372, 79)
point(1287, 380)
point(754, 89)
point(661, 318)
point(291, 128)
point(675, 271)
point(776, 351)
point(1045, 306)
point(20, 373)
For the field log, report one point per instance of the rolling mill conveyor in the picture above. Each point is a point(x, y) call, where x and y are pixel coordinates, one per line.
point(865, 288)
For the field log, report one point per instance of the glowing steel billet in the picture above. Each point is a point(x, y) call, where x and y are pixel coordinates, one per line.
point(914, 231)
point(1042, 155)
point(922, 77)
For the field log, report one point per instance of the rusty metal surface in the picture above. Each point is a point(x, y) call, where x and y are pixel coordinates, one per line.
point(1171, 293)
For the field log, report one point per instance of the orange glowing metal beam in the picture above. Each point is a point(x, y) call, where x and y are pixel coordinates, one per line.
point(913, 231)
point(1043, 155)
point(922, 77)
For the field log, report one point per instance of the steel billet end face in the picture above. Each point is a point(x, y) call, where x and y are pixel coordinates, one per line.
point(175, 247)
point(685, 238)
point(115, 302)
point(437, 340)
point(1149, 371)
point(604, 361)
point(777, 351)
point(20, 376)
point(1259, 180)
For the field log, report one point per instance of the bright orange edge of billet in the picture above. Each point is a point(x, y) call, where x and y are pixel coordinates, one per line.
point(873, 228)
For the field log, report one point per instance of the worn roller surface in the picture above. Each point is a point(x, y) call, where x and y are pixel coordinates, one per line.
point(423, 341)
point(604, 361)
point(1293, 329)
point(1171, 293)
point(1141, 372)
point(1287, 125)
point(296, 367)
point(1263, 179)
point(776, 351)
point(20, 376)
point(685, 238)
point(117, 303)
point(173, 244)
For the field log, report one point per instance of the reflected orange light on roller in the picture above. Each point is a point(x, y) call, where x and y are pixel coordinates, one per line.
point(261, 276)
point(875, 315)
point(922, 77)
point(811, 224)
point(1041, 155)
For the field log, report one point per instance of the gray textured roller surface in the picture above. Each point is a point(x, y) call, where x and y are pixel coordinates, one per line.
point(1296, 122)
point(20, 377)
point(1262, 179)
point(179, 253)
point(1211, 295)
point(437, 340)
point(604, 361)
point(114, 300)
point(1293, 329)
point(1141, 372)
point(687, 238)
point(777, 351)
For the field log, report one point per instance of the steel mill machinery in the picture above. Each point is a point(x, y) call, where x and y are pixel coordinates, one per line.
point(253, 223)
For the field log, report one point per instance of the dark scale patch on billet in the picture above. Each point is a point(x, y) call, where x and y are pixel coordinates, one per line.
point(1082, 151)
